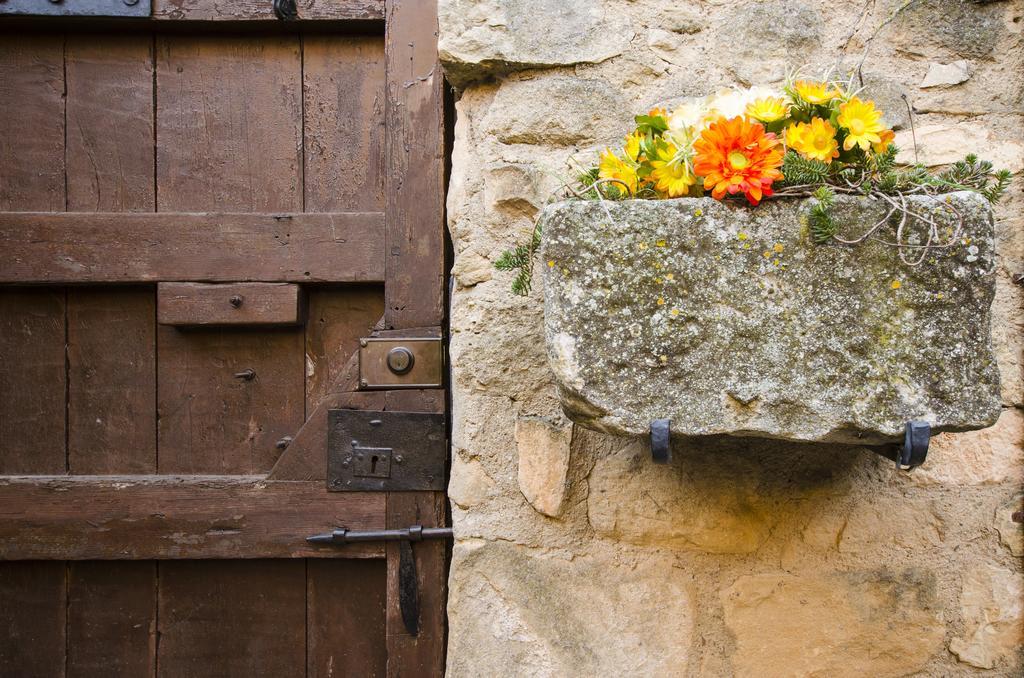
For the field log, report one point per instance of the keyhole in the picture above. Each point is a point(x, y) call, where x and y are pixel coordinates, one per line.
point(373, 463)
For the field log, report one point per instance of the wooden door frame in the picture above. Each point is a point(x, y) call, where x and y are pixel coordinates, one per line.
point(414, 272)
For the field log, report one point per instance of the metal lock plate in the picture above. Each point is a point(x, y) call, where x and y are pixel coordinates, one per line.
point(385, 451)
point(132, 8)
point(412, 362)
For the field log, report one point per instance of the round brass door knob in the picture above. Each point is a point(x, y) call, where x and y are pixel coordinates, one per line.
point(400, 360)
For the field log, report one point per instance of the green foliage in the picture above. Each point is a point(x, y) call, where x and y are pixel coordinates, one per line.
point(799, 170)
point(972, 174)
point(823, 226)
point(651, 125)
point(520, 260)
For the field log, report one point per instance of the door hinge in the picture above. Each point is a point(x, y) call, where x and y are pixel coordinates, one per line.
point(114, 8)
point(385, 451)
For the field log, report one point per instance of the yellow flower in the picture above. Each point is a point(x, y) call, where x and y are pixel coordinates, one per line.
point(768, 109)
point(632, 146)
point(887, 136)
point(672, 174)
point(863, 123)
point(815, 92)
point(613, 167)
point(815, 140)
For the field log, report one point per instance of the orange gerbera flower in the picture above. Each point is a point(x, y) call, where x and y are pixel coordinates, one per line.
point(738, 156)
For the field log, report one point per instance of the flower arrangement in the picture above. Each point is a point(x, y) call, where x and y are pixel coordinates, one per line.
point(812, 138)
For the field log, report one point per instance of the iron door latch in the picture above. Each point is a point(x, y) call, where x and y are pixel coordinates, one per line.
point(408, 580)
point(112, 8)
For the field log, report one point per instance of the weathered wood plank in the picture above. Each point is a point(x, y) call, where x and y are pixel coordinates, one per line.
point(414, 166)
point(249, 10)
point(346, 618)
point(229, 114)
point(191, 304)
point(31, 122)
point(233, 619)
point(33, 618)
point(343, 134)
point(32, 381)
point(111, 391)
point(215, 416)
point(338, 317)
point(110, 123)
point(125, 248)
point(177, 517)
point(111, 619)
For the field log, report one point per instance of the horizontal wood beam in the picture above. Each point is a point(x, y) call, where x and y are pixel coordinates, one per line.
point(90, 247)
point(249, 10)
point(178, 517)
point(212, 304)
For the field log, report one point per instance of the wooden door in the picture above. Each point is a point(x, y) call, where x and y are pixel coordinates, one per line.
point(162, 447)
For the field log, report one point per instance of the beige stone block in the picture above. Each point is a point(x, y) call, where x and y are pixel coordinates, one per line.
point(992, 604)
point(513, 189)
point(515, 611)
point(852, 624)
point(945, 143)
point(944, 75)
point(469, 484)
point(543, 452)
point(470, 268)
point(878, 526)
point(1011, 532)
point(678, 506)
point(992, 455)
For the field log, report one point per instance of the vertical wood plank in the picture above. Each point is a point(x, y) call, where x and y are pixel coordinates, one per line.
point(31, 122)
point(346, 618)
point(111, 380)
point(211, 421)
point(343, 86)
point(232, 618)
point(423, 654)
point(32, 618)
point(111, 619)
point(110, 123)
point(414, 166)
point(338, 317)
point(229, 133)
point(32, 381)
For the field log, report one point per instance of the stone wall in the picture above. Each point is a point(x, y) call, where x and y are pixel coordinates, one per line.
point(574, 555)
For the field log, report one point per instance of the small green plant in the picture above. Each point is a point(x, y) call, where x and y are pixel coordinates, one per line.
point(520, 260)
point(823, 226)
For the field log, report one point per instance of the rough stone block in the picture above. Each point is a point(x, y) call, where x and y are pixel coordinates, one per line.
point(851, 624)
point(729, 320)
point(515, 611)
point(543, 463)
point(992, 603)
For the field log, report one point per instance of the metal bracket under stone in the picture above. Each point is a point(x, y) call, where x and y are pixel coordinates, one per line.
point(914, 450)
point(661, 441)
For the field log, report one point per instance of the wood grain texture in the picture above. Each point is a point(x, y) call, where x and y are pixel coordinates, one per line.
point(346, 622)
point(111, 381)
point(212, 421)
point(110, 123)
point(126, 248)
point(249, 10)
point(414, 166)
point(177, 517)
point(192, 304)
point(32, 122)
point(111, 619)
point(233, 619)
point(423, 654)
point(32, 381)
point(229, 133)
point(338, 317)
point(343, 80)
point(32, 619)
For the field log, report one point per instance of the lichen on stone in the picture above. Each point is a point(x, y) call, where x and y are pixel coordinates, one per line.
point(785, 339)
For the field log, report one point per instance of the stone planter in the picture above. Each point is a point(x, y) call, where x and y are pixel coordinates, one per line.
point(730, 320)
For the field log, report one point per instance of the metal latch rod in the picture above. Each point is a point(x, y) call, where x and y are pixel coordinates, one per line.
point(413, 533)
